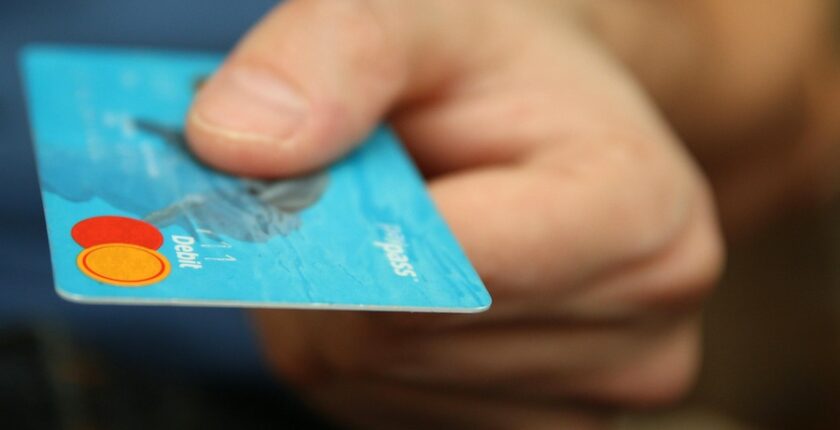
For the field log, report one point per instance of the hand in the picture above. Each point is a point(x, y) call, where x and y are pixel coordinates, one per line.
point(541, 136)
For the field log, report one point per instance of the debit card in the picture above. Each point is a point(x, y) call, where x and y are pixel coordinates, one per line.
point(134, 218)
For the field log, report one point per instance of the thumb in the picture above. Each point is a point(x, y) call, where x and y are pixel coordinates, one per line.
point(310, 81)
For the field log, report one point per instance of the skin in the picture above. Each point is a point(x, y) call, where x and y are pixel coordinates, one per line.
point(587, 155)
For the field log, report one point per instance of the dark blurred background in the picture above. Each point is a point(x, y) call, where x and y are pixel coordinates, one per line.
point(772, 331)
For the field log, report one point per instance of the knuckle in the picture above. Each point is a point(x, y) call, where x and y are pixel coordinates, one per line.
point(667, 388)
point(667, 379)
point(661, 378)
point(663, 232)
point(661, 392)
point(702, 272)
point(656, 190)
point(687, 272)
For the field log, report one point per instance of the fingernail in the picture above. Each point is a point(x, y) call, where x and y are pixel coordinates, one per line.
point(244, 103)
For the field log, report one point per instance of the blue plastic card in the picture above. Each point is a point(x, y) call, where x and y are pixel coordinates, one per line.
point(133, 218)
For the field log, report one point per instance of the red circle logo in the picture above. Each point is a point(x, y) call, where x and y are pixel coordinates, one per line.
point(116, 229)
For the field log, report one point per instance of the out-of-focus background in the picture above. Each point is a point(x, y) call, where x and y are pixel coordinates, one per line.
point(772, 330)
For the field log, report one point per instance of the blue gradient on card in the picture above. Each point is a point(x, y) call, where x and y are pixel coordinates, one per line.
point(362, 234)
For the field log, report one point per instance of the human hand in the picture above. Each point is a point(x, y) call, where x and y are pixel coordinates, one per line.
point(586, 217)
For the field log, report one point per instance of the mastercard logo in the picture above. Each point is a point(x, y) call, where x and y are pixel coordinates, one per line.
point(120, 251)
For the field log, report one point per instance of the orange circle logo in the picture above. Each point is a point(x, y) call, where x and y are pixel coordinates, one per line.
point(120, 251)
